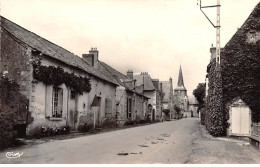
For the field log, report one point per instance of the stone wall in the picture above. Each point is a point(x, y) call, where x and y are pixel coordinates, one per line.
point(14, 62)
point(256, 130)
point(139, 108)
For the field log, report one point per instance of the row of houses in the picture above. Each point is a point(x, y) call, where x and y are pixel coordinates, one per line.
point(233, 88)
point(63, 89)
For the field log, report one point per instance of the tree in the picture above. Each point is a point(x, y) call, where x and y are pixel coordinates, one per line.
point(199, 93)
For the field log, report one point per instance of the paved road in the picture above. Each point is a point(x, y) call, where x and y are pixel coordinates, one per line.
point(182, 141)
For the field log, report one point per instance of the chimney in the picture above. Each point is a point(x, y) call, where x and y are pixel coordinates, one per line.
point(130, 74)
point(92, 57)
point(161, 86)
point(213, 52)
point(144, 73)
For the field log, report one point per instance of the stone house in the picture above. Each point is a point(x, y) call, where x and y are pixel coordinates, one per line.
point(52, 105)
point(130, 104)
point(193, 106)
point(150, 88)
point(233, 88)
point(167, 99)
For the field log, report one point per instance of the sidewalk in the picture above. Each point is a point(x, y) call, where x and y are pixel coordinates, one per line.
point(207, 149)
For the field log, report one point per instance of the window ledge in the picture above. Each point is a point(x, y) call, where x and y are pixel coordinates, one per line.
point(55, 119)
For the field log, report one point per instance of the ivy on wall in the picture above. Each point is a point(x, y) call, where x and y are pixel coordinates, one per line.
point(241, 66)
point(56, 76)
point(10, 98)
point(214, 115)
point(239, 77)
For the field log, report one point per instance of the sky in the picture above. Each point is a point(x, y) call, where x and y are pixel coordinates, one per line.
point(154, 36)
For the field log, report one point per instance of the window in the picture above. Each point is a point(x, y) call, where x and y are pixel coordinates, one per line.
point(57, 102)
point(129, 108)
point(72, 95)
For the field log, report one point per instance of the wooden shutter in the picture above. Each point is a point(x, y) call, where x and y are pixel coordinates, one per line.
point(108, 110)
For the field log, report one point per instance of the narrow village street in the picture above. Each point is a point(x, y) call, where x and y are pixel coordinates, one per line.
point(181, 141)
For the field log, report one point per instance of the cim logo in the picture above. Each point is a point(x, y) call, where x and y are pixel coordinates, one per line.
point(13, 155)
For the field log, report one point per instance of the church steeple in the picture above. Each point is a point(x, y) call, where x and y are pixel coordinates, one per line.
point(180, 79)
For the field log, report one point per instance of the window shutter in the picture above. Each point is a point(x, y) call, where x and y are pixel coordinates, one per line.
point(48, 101)
point(108, 107)
point(60, 101)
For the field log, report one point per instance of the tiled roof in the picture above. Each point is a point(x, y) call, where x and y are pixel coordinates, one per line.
point(113, 73)
point(146, 80)
point(120, 78)
point(50, 49)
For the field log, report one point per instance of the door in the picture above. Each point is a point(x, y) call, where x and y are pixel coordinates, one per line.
point(240, 120)
point(244, 120)
point(98, 112)
point(72, 110)
point(153, 115)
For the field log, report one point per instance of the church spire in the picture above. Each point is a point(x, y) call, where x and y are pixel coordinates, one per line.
point(180, 79)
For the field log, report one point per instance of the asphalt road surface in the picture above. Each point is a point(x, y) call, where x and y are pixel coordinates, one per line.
point(181, 141)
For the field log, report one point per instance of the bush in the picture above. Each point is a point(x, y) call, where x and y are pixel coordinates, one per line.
point(143, 121)
point(52, 131)
point(129, 122)
point(9, 106)
point(84, 127)
point(109, 123)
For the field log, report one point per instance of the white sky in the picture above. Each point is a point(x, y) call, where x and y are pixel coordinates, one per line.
point(153, 36)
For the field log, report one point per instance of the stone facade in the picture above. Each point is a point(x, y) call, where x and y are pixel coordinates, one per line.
point(19, 48)
point(14, 64)
point(167, 100)
point(151, 89)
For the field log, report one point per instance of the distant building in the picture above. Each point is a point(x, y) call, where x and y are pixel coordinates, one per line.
point(193, 106)
point(180, 93)
point(167, 98)
point(150, 88)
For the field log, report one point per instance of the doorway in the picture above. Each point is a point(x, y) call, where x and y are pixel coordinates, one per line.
point(72, 110)
point(240, 119)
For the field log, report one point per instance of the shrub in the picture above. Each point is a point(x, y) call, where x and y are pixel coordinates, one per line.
point(143, 121)
point(9, 100)
point(84, 127)
point(129, 122)
point(52, 131)
point(109, 123)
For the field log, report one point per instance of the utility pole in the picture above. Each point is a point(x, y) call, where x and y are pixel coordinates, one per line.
point(217, 26)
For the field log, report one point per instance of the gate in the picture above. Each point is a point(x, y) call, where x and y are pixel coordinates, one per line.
point(240, 118)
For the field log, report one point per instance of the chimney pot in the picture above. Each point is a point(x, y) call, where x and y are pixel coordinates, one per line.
point(130, 74)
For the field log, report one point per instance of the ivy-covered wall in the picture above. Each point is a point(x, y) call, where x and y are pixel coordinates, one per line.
point(241, 65)
point(215, 116)
point(238, 77)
